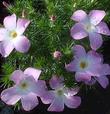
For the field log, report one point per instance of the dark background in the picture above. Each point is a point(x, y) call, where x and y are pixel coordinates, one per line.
point(94, 101)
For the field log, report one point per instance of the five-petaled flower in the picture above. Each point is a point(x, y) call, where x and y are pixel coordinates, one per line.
point(60, 95)
point(27, 87)
point(89, 67)
point(90, 25)
point(12, 35)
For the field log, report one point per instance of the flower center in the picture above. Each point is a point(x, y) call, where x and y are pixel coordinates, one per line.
point(83, 65)
point(24, 85)
point(60, 92)
point(13, 34)
point(89, 27)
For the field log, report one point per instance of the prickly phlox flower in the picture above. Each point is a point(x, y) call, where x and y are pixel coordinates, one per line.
point(88, 66)
point(61, 95)
point(11, 36)
point(90, 25)
point(27, 87)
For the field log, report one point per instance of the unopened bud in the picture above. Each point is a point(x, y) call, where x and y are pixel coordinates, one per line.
point(52, 18)
point(57, 55)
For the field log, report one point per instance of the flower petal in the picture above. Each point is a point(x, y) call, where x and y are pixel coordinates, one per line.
point(48, 97)
point(72, 101)
point(3, 34)
point(103, 28)
point(29, 102)
point(40, 88)
point(6, 47)
point(94, 57)
point(72, 66)
point(103, 81)
point(95, 40)
point(10, 96)
point(79, 15)
point(17, 76)
point(91, 82)
point(56, 82)
point(78, 32)
point(94, 69)
point(105, 69)
point(71, 91)
point(33, 72)
point(22, 44)
point(96, 16)
point(10, 22)
point(57, 105)
point(22, 24)
point(79, 51)
point(82, 77)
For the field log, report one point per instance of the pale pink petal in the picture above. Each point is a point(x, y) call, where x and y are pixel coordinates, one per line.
point(79, 51)
point(22, 44)
point(94, 57)
point(82, 77)
point(105, 69)
point(91, 82)
point(56, 82)
point(103, 81)
point(72, 101)
point(10, 96)
point(78, 31)
point(29, 102)
point(10, 22)
point(33, 72)
point(79, 15)
point(40, 88)
point(103, 28)
point(72, 66)
point(96, 16)
point(6, 47)
point(22, 24)
point(3, 34)
point(94, 69)
point(48, 97)
point(72, 91)
point(57, 105)
point(17, 76)
point(95, 40)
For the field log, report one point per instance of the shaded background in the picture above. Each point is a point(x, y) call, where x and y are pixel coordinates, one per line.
point(94, 101)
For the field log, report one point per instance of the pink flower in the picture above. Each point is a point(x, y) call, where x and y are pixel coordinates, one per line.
point(27, 87)
point(60, 95)
point(88, 66)
point(90, 25)
point(12, 35)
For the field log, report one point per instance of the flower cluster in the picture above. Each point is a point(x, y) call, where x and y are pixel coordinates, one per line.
point(88, 66)
point(27, 88)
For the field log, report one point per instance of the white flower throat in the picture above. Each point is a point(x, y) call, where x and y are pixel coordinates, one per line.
point(89, 27)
